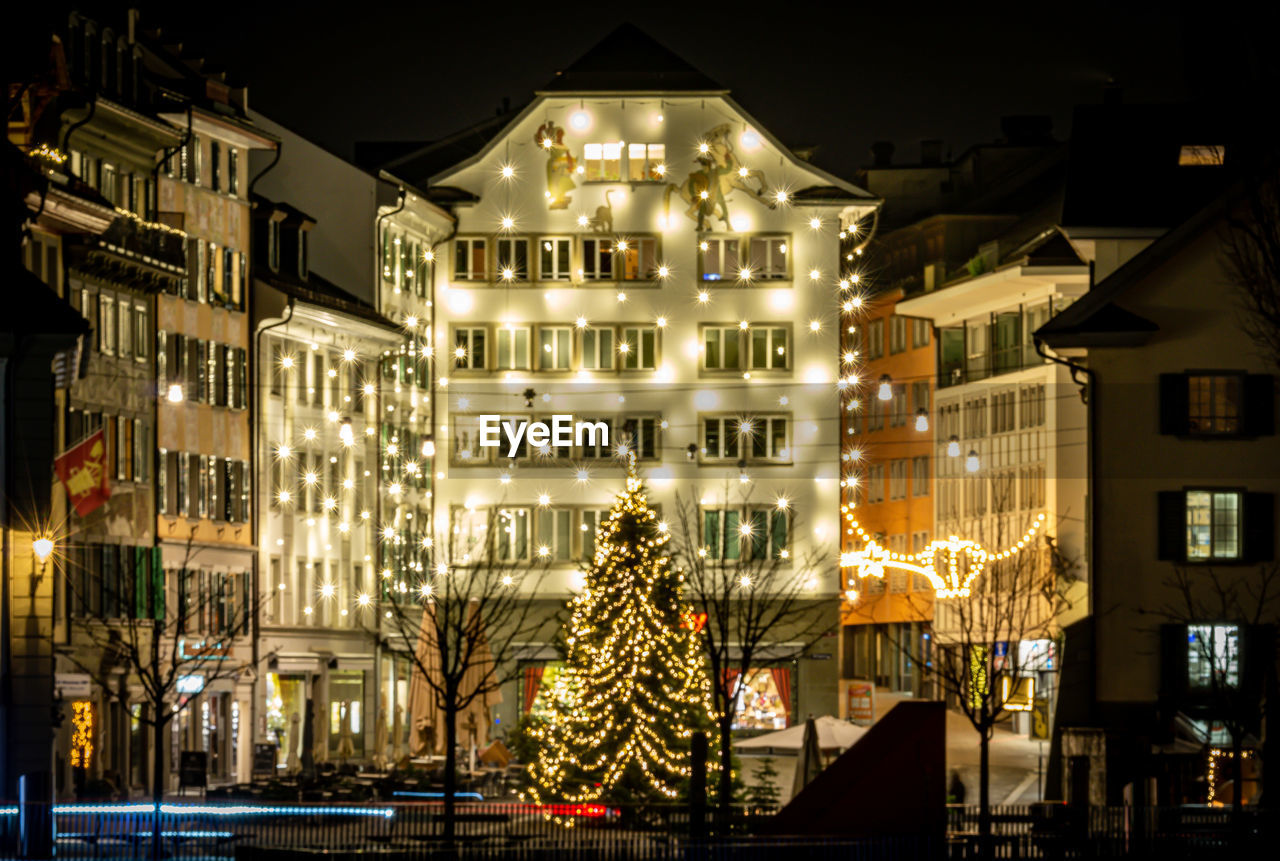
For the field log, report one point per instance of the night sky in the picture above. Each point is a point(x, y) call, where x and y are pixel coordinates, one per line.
point(812, 73)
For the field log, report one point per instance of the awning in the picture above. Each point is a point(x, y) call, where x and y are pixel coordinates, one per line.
point(834, 736)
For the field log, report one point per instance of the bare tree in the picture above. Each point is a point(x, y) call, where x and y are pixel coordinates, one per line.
point(172, 627)
point(1252, 251)
point(463, 616)
point(976, 661)
point(752, 599)
point(1214, 612)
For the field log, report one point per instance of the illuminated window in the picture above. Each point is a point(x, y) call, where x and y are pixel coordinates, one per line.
point(1213, 403)
point(763, 699)
point(639, 347)
point(512, 540)
point(643, 161)
point(1202, 156)
point(555, 531)
point(768, 258)
point(1213, 525)
point(637, 258)
point(1213, 656)
point(719, 260)
point(769, 348)
point(721, 348)
point(513, 348)
point(602, 161)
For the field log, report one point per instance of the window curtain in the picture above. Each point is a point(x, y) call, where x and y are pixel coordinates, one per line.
point(782, 681)
point(532, 683)
point(731, 684)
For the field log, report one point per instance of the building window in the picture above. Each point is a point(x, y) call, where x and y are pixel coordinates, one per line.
point(233, 171)
point(763, 699)
point(637, 258)
point(555, 534)
point(720, 348)
point(554, 259)
point(215, 165)
point(597, 349)
point(513, 348)
point(769, 348)
point(1031, 406)
point(920, 396)
point(898, 406)
point(768, 261)
point(639, 347)
point(722, 533)
point(720, 438)
point(109, 184)
point(641, 436)
point(124, 329)
point(469, 259)
point(513, 259)
point(512, 540)
point(1202, 156)
point(1213, 402)
point(645, 162)
point(597, 259)
point(719, 259)
point(768, 534)
point(553, 348)
point(1214, 525)
point(875, 482)
point(897, 334)
point(898, 479)
point(920, 331)
point(468, 349)
point(759, 438)
point(1213, 656)
point(920, 476)
point(602, 161)
point(875, 339)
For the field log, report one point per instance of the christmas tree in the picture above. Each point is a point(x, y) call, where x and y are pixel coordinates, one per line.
point(633, 689)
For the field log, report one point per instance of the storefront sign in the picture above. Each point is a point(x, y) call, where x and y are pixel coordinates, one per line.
point(862, 700)
point(189, 684)
point(71, 686)
point(264, 759)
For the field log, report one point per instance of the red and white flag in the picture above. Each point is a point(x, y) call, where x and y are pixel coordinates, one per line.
point(83, 471)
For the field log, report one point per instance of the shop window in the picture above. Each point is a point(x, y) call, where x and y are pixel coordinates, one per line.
point(763, 700)
point(346, 713)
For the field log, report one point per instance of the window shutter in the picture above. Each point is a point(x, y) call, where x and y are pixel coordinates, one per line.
point(157, 584)
point(1174, 404)
point(1173, 661)
point(1257, 654)
point(1259, 527)
point(1171, 524)
point(1259, 405)
point(139, 582)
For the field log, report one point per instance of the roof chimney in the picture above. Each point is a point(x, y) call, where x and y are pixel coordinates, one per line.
point(931, 152)
point(882, 153)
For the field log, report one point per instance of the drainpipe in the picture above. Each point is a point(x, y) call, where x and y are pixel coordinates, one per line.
point(66, 136)
point(377, 276)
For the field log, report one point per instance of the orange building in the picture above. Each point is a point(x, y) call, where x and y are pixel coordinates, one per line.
point(885, 623)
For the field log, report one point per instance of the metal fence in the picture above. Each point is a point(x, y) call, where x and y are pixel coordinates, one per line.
point(230, 831)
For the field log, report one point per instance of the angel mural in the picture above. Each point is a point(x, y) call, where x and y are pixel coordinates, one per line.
point(560, 165)
point(719, 171)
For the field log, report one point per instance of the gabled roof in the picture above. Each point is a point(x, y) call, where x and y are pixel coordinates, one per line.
point(1096, 320)
point(629, 60)
point(424, 162)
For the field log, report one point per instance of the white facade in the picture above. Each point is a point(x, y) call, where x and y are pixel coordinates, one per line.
point(581, 274)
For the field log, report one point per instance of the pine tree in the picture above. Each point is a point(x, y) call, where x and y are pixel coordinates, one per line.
point(633, 689)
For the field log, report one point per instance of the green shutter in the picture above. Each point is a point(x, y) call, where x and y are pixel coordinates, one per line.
point(157, 584)
point(140, 560)
point(779, 532)
point(711, 530)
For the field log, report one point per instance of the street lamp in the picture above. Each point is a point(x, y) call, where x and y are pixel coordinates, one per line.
point(971, 461)
point(43, 548)
point(428, 447)
point(175, 393)
point(886, 388)
point(953, 446)
point(922, 420)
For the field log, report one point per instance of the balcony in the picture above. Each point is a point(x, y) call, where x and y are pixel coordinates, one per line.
point(155, 244)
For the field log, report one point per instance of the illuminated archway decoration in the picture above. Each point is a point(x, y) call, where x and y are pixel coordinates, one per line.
point(950, 565)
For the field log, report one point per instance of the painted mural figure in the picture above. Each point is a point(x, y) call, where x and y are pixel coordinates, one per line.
point(560, 165)
point(719, 171)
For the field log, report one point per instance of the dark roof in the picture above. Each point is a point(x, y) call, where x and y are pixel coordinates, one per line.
point(630, 60)
point(320, 291)
point(417, 167)
point(1052, 249)
point(1096, 313)
point(1123, 166)
point(32, 308)
point(372, 155)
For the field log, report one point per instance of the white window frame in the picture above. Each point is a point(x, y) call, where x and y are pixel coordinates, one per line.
point(510, 244)
point(1213, 526)
point(635, 248)
point(647, 156)
point(555, 272)
point(771, 347)
point(507, 338)
point(726, 334)
point(598, 249)
point(467, 362)
point(769, 270)
point(597, 356)
point(560, 336)
point(506, 549)
point(467, 273)
point(634, 338)
point(549, 524)
point(106, 323)
point(728, 263)
point(597, 155)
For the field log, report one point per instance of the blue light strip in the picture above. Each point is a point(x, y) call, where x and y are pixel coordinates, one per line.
point(170, 834)
point(228, 810)
point(406, 794)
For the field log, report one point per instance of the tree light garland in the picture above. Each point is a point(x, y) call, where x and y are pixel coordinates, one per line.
point(634, 688)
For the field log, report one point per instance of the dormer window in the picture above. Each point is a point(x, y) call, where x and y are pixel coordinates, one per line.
point(273, 245)
point(302, 254)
